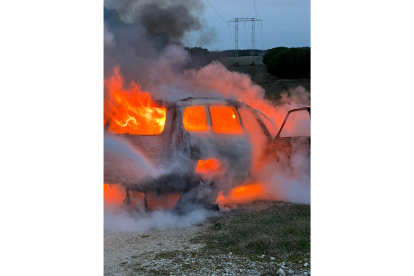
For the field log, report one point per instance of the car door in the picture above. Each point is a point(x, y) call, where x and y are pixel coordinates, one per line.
point(294, 134)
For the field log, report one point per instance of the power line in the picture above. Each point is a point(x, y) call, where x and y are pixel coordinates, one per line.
point(218, 12)
point(199, 23)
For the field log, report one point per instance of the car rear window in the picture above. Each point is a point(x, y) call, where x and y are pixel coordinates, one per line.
point(225, 120)
point(194, 119)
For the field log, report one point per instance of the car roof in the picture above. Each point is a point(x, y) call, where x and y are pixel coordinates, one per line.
point(204, 100)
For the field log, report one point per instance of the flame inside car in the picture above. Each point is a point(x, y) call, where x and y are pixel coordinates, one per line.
point(194, 119)
point(224, 120)
point(131, 110)
point(114, 194)
point(209, 165)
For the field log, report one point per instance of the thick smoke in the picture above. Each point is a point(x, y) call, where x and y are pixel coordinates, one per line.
point(141, 31)
point(173, 18)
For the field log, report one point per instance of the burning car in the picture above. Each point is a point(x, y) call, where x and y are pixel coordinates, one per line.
point(191, 141)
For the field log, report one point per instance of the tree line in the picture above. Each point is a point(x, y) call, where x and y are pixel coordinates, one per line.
point(288, 63)
point(282, 62)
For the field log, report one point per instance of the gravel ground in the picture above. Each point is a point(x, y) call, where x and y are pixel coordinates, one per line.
point(170, 252)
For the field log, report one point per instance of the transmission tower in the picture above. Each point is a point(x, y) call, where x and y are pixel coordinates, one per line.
point(236, 37)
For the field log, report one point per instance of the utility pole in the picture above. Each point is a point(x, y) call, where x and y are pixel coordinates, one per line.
point(236, 37)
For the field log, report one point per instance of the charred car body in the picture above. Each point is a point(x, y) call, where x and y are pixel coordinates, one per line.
point(194, 131)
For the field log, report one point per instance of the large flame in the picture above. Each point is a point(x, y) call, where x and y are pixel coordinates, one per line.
point(131, 110)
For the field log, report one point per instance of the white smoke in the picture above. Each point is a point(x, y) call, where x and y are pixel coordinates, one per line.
point(122, 162)
point(288, 180)
point(118, 219)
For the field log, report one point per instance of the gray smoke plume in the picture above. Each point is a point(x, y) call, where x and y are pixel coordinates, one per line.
point(173, 18)
point(138, 33)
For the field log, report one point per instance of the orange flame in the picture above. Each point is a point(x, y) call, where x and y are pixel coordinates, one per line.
point(242, 194)
point(207, 166)
point(194, 119)
point(114, 194)
point(225, 120)
point(131, 110)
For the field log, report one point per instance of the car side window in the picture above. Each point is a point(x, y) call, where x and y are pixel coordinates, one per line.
point(194, 119)
point(225, 120)
point(249, 121)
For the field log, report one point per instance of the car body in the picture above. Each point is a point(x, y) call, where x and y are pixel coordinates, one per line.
point(196, 129)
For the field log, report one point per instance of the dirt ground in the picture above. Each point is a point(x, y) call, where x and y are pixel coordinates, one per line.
point(171, 252)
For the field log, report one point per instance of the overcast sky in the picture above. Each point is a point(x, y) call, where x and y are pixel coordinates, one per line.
point(285, 23)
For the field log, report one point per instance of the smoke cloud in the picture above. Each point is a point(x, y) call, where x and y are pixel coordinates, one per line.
point(173, 18)
point(143, 29)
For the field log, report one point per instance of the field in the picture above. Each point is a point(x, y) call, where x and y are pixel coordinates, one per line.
point(256, 239)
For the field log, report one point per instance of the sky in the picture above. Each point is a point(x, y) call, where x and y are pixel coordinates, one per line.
point(285, 23)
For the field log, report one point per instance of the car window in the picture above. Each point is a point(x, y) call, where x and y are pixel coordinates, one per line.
point(140, 120)
point(225, 120)
point(194, 119)
point(249, 121)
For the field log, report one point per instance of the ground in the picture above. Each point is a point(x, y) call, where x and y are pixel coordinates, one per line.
point(206, 249)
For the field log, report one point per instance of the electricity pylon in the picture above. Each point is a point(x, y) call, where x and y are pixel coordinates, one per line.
point(236, 36)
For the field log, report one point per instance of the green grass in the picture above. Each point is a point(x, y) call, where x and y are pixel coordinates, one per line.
point(279, 231)
point(167, 255)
